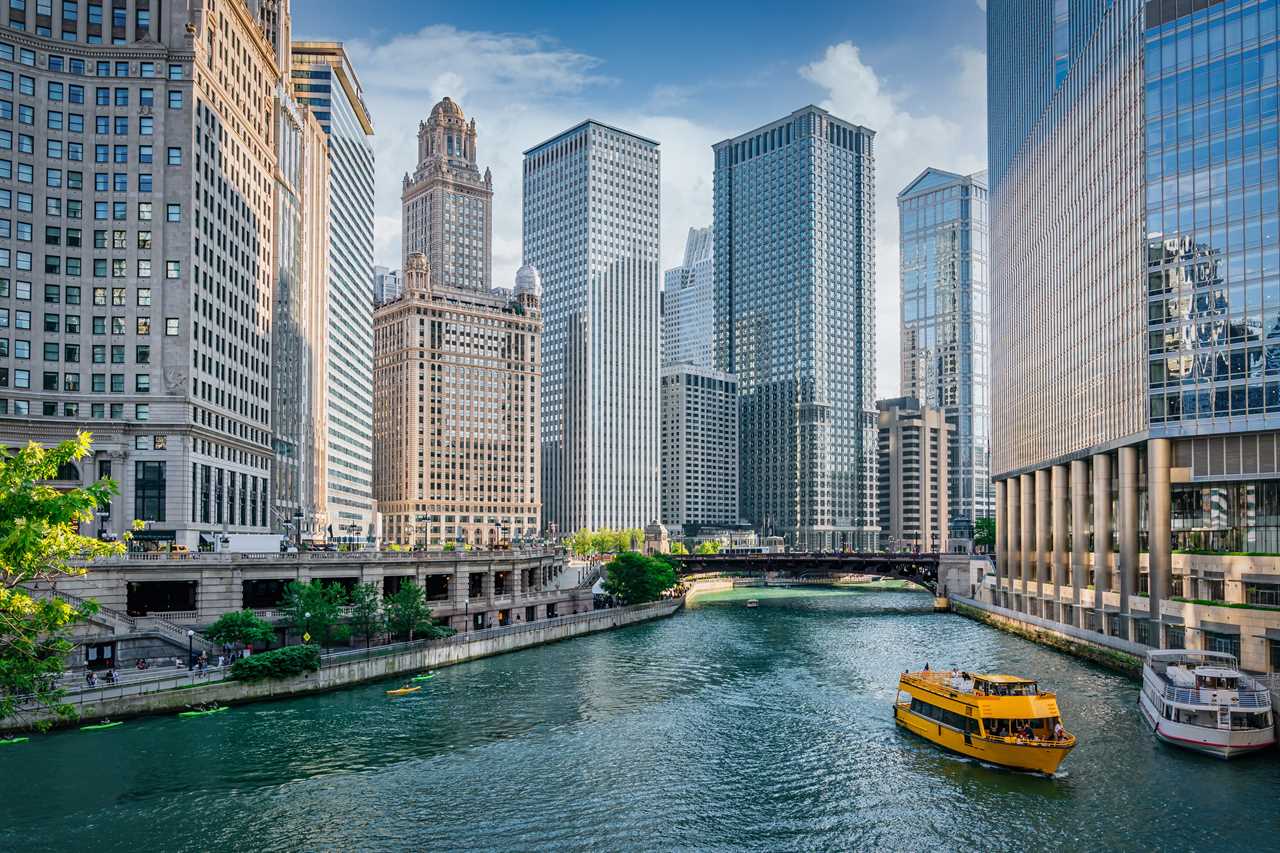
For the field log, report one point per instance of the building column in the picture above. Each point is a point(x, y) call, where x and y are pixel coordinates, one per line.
point(1015, 535)
point(1101, 532)
point(1160, 530)
point(1127, 526)
point(1042, 534)
point(1027, 515)
point(1058, 567)
point(1079, 533)
point(1002, 541)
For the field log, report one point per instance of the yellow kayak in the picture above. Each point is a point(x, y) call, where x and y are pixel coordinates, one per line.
point(403, 690)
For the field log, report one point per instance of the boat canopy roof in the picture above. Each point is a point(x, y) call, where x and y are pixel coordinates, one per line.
point(1192, 656)
point(1004, 679)
point(1216, 672)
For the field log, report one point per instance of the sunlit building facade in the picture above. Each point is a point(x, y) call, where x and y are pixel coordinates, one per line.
point(699, 448)
point(591, 214)
point(946, 323)
point(688, 304)
point(324, 81)
point(794, 271)
point(1136, 399)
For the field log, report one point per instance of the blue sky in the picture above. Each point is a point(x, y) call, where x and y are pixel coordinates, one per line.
point(686, 74)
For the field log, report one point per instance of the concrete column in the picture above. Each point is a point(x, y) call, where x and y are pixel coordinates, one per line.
point(1002, 540)
point(1127, 525)
point(1160, 534)
point(1079, 531)
point(1027, 515)
point(1013, 513)
point(1042, 532)
point(1101, 530)
point(1058, 565)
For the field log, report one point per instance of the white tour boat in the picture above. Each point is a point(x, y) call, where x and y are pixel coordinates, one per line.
point(1202, 701)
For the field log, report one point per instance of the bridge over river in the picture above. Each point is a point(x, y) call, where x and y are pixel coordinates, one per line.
point(936, 572)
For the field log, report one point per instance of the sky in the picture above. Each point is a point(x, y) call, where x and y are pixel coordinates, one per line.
point(685, 74)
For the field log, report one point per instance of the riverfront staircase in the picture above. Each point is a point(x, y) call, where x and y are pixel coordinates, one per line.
point(123, 623)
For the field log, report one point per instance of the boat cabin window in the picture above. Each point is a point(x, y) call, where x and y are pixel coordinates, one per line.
point(1006, 688)
point(1209, 682)
point(1041, 727)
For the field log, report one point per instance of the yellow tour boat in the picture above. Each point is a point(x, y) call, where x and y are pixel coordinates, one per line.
point(1000, 719)
point(401, 691)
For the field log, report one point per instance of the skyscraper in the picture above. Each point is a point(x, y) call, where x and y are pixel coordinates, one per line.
point(447, 204)
point(148, 319)
point(591, 228)
point(794, 233)
point(699, 448)
point(688, 304)
point(387, 284)
point(946, 319)
point(456, 386)
point(324, 81)
point(1134, 258)
point(914, 442)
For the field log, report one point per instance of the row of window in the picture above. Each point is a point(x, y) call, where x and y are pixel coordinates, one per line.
point(71, 381)
point(22, 320)
point(98, 411)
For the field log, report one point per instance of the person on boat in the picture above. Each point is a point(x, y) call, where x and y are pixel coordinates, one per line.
point(1059, 733)
point(926, 666)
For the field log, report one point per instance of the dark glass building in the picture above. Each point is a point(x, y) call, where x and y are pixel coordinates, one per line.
point(794, 237)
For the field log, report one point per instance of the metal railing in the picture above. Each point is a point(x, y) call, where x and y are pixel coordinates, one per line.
point(324, 556)
point(1235, 699)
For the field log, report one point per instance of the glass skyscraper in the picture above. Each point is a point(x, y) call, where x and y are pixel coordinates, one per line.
point(946, 324)
point(325, 83)
point(794, 238)
point(591, 212)
point(1136, 294)
point(688, 304)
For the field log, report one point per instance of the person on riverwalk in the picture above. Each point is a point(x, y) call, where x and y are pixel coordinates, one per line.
point(90, 678)
point(222, 661)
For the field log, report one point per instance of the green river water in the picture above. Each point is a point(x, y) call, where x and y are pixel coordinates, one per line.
point(722, 728)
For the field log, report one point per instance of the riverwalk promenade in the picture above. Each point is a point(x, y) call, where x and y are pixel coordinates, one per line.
point(164, 691)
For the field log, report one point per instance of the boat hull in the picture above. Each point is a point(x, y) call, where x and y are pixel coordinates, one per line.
point(1220, 743)
point(1036, 758)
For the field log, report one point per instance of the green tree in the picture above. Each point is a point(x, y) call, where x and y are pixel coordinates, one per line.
point(581, 543)
point(367, 618)
point(679, 549)
point(634, 578)
point(408, 613)
point(709, 546)
point(241, 626)
point(984, 533)
point(450, 546)
point(39, 539)
point(634, 538)
point(313, 608)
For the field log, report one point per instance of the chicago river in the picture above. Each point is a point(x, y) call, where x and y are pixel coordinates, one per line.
point(722, 728)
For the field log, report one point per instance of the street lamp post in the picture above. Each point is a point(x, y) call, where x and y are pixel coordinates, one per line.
point(191, 657)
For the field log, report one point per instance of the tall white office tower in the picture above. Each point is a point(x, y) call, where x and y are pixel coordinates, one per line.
point(688, 304)
point(591, 228)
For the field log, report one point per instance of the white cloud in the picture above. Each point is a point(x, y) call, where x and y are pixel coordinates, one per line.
point(982, 4)
point(521, 90)
point(906, 143)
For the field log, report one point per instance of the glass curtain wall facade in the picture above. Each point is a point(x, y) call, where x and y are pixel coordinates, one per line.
point(591, 215)
point(946, 323)
point(325, 83)
point(688, 304)
point(794, 320)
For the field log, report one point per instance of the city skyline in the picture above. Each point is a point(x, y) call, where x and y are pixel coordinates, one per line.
point(535, 74)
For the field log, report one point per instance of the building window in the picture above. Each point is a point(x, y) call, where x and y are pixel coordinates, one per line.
point(149, 491)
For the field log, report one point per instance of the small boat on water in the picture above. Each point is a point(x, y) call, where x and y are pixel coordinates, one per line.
point(13, 740)
point(1000, 719)
point(206, 712)
point(427, 677)
point(401, 691)
point(100, 726)
point(1202, 701)
point(751, 602)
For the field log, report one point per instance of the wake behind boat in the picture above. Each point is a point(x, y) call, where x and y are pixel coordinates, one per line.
point(1202, 701)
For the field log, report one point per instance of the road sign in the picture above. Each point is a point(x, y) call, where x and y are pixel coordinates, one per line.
point(306, 638)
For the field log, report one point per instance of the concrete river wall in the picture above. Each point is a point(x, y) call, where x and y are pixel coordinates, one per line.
point(360, 665)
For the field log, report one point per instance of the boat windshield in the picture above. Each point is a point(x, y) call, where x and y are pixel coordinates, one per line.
point(1006, 688)
point(1038, 728)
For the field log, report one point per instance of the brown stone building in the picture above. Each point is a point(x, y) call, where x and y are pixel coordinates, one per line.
point(457, 376)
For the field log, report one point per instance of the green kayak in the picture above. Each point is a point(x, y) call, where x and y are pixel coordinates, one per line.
point(95, 728)
point(217, 710)
point(426, 677)
point(14, 740)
